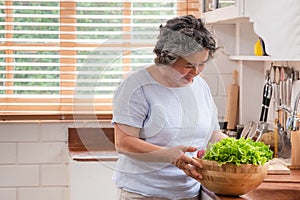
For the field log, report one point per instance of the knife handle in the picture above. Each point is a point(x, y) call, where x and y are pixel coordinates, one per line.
point(275, 138)
point(262, 114)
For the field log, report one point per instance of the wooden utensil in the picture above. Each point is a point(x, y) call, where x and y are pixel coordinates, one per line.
point(232, 103)
point(295, 139)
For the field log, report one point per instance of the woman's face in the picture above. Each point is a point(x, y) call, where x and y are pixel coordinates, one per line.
point(190, 66)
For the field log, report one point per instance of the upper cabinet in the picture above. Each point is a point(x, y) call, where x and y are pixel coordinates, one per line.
point(276, 22)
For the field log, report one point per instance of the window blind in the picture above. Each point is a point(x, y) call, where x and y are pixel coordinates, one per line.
point(64, 57)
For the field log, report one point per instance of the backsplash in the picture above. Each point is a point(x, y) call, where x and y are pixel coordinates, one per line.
point(34, 160)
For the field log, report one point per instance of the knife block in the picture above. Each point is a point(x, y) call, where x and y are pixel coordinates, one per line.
point(295, 140)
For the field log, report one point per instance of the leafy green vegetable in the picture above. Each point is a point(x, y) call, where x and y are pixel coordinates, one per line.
point(239, 151)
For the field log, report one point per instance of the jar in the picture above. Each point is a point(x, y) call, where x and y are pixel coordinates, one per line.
point(266, 135)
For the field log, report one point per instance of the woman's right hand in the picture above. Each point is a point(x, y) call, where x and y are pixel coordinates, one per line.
point(188, 164)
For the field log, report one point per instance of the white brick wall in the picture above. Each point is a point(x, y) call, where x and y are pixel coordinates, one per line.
point(8, 193)
point(42, 152)
point(34, 162)
point(218, 75)
point(8, 153)
point(19, 132)
point(43, 193)
point(19, 175)
point(54, 175)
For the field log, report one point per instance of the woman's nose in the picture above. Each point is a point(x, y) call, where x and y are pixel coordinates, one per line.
point(197, 69)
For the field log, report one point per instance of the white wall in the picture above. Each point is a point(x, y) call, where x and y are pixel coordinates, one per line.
point(35, 164)
point(33, 161)
point(218, 74)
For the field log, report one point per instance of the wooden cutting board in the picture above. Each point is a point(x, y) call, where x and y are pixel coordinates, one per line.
point(277, 166)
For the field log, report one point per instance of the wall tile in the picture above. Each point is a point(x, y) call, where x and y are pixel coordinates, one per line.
point(224, 81)
point(51, 193)
point(55, 175)
point(220, 103)
point(212, 81)
point(8, 154)
point(15, 132)
point(222, 64)
point(45, 152)
point(8, 194)
point(54, 132)
point(19, 175)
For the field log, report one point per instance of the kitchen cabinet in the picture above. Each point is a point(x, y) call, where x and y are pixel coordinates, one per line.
point(238, 27)
point(92, 180)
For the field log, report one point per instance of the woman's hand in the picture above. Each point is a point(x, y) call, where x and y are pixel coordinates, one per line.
point(188, 164)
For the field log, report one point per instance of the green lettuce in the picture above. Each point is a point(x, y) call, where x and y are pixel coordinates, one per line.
point(238, 151)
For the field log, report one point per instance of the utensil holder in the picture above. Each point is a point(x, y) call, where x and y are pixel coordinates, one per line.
point(295, 140)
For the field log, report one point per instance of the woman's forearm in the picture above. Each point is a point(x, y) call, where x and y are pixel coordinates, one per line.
point(127, 142)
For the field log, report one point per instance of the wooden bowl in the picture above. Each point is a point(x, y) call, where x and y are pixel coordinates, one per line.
point(230, 179)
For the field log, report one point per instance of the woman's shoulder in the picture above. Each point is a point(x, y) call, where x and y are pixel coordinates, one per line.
point(136, 78)
point(200, 80)
point(201, 85)
point(138, 74)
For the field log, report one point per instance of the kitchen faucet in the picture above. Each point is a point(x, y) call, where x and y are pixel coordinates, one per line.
point(293, 118)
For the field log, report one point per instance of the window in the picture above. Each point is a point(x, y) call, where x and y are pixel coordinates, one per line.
point(65, 58)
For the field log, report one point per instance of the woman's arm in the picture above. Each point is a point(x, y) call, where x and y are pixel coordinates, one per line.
point(127, 142)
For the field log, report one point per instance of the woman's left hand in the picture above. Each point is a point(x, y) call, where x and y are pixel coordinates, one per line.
point(188, 164)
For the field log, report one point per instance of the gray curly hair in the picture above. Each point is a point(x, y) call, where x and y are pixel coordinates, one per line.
point(182, 36)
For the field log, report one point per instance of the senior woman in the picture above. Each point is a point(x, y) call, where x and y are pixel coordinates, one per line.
point(163, 113)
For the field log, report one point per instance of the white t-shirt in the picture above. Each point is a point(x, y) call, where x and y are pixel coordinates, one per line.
point(167, 117)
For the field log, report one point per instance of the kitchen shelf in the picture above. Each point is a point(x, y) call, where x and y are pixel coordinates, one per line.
point(259, 58)
point(226, 15)
point(250, 58)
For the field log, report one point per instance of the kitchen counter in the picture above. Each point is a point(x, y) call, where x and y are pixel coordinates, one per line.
point(93, 156)
point(87, 144)
point(275, 187)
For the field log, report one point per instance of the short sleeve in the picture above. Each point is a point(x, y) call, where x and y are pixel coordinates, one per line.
point(130, 106)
